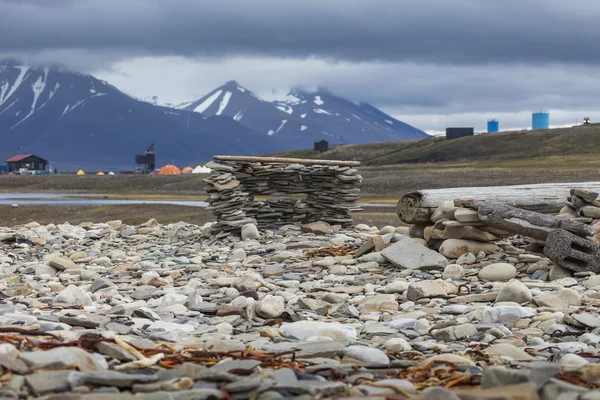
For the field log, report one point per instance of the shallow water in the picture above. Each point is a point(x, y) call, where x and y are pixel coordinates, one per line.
point(64, 199)
point(70, 199)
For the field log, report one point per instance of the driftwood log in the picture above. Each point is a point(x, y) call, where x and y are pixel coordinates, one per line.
point(528, 223)
point(417, 207)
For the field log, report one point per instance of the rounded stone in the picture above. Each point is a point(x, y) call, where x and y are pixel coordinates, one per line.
point(467, 258)
point(387, 229)
point(516, 291)
point(498, 272)
point(269, 307)
point(368, 355)
point(454, 272)
point(250, 231)
point(396, 287)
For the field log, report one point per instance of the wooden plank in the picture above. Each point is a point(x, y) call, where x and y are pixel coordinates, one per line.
point(543, 198)
point(281, 160)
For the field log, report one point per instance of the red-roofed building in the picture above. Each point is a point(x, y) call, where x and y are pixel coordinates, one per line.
point(26, 161)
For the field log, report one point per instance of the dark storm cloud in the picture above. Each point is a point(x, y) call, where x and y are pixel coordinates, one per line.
point(431, 31)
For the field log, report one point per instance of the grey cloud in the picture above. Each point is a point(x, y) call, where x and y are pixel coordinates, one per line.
point(428, 96)
point(431, 31)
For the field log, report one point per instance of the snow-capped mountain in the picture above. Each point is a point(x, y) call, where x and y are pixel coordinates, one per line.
point(356, 123)
point(261, 116)
point(304, 117)
point(77, 121)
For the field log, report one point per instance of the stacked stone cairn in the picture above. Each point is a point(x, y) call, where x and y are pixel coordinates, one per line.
point(329, 186)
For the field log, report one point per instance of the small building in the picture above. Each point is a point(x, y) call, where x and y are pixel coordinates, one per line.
point(322, 146)
point(146, 162)
point(26, 161)
point(455, 133)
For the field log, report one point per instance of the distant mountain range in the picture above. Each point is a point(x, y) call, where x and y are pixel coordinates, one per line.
point(77, 121)
point(315, 115)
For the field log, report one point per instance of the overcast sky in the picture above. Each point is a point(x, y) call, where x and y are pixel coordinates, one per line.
point(431, 63)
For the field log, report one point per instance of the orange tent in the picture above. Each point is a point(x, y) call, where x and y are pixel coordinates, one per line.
point(169, 170)
point(187, 170)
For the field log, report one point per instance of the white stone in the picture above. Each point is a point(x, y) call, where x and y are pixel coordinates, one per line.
point(269, 307)
point(508, 350)
point(397, 342)
point(454, 248)
point(498, 272)
point(73, 295)
point(506, 315)
point(421, 289)
point(466, 215)
point(467, 258)
point(302, 330)
point(454, 272)
point(237, 254)
point(396, 287)
point(572, 360)
point(368, 355)
point(515, 291)
point(250, 231)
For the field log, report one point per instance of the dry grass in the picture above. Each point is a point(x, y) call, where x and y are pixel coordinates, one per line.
point(490, 149)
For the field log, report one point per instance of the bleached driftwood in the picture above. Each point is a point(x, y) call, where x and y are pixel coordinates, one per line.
point(417, 207)
point(528, 223)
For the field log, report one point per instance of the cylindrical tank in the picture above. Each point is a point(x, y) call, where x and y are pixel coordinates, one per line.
point(540, 120)
point(493, 126)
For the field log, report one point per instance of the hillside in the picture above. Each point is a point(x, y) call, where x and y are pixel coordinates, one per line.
point(489, 148)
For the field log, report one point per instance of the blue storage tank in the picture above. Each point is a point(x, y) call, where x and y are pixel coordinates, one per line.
point(540, 120)
point(493, 126)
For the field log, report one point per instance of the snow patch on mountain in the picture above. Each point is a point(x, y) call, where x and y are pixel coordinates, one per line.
point(285, 108)
point(208, 102)
point(282, 125)
point(224, 102)
point(5, 94)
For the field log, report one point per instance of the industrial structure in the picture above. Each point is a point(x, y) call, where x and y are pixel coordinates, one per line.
point(26, 162)
point(455, 133)
point(146, 162)
point(540, 120)
point(493, 126)
point(321, 146)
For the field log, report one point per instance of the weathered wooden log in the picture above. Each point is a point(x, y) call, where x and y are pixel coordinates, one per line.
point(281, 160)
point(528, 223)
point(417, 207)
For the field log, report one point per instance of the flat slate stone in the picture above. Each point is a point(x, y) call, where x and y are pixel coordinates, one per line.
point(410, 254)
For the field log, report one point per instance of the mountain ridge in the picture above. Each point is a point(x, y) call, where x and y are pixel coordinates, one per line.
point(77, 121)
point(318, 114)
